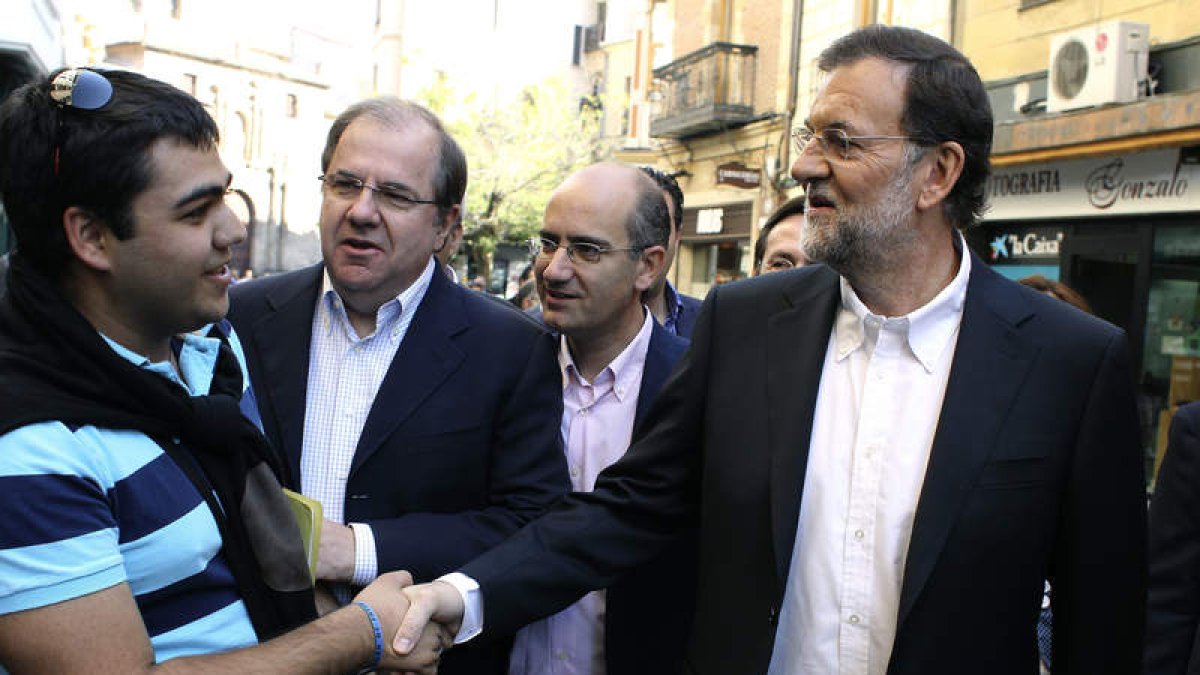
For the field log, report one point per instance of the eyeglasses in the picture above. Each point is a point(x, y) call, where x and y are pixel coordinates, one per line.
point(347, 186)
point(77, 88)
point(777, 265)
point(580, 251)
point(842, 145)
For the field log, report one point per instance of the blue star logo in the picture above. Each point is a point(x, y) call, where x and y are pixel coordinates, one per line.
point(999, 248)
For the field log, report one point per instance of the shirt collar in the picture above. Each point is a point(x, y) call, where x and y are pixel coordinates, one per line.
point(197, 357)
point(928, 329)
point(624, 371)
point(389, 313)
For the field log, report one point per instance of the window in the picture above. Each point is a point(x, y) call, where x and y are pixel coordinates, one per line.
point(292, 106)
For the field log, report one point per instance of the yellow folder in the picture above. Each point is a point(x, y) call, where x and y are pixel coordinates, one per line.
point(308, 516)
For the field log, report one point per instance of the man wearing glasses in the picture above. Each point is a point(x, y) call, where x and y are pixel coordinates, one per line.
point(603, 243)
point(422, 416)
point(778, 245)
point(887, 454)
point(142, 527)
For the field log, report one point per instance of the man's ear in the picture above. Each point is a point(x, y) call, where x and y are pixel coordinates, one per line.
point(89, 237)
point(650, 263)
point(445, 225)
point(944, 171)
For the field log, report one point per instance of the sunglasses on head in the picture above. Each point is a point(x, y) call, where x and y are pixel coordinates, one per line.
point(77, 88)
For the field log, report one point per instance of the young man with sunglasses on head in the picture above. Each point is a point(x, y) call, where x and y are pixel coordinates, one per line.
point(142, 528)
point(423, 416)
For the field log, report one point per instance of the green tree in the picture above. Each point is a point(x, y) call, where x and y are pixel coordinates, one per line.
point(517, 153)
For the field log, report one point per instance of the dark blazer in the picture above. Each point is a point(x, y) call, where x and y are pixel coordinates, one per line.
point(1035, 472)
point(649, 611)
point(461, 446)
point(1173, 608)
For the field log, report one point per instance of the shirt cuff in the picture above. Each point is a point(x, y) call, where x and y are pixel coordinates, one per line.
point(366, 564)
point(472, 599)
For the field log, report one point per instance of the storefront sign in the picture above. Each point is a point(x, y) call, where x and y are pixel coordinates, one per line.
point(738, 175)
point(1030, 245)
point(708, 221)
point(1146, 182)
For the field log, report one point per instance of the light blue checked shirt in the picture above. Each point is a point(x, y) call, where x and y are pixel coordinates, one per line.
point(344, 375)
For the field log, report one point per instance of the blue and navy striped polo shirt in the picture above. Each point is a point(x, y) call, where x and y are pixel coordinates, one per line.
point(83, 509)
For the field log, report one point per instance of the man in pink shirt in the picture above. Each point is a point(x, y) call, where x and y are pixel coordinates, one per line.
point(602, 245)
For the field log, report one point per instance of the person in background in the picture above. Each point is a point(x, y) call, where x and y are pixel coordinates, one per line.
point(778, 245)
point(603, 241)
point(886, 454)
point(526, 298)
point(675, 311)
point(1057, 289)
point(143, 526)
point(424, 417)
point(1173, 604)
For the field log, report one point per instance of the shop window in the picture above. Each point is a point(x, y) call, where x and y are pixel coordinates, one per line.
point(1171, 358)
point(1029, 4)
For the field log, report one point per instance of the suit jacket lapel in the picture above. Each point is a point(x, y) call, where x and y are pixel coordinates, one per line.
point(797, 337)
point(285, 361)
point(426, 357)
point(990, 362)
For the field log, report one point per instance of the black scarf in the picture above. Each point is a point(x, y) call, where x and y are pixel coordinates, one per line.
point(55, 366)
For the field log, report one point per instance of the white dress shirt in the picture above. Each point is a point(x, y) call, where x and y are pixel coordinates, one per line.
point(597, 425)
point(877, 409)
point(344, 374)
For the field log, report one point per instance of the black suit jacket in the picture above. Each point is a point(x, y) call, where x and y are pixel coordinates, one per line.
point(461, 446)
point(649, 611)
point(1173, 609)
point(1035, 472)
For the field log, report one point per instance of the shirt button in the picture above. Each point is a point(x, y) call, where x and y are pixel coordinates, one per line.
point(854, 619)
point(574, 472)
point(859, 534)
point(583, 411)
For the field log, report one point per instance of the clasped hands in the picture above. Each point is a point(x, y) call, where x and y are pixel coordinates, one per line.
point(423, 641)
point(429, 615)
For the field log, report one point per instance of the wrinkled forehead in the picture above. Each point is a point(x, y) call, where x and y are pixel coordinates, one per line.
point(867, 94)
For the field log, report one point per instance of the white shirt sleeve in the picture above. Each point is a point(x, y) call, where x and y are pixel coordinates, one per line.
point(366, 563)
point(472, 599)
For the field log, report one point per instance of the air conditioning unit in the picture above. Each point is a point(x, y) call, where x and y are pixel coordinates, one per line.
point(1098, 64)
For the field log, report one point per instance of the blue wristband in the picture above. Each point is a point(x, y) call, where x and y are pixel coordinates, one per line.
point(377, 629)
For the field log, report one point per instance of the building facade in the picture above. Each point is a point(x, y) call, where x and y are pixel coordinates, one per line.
point(1095, 170)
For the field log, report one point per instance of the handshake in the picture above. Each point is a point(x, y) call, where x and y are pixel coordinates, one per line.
point(411, 627)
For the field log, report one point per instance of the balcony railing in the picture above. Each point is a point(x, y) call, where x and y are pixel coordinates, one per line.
point(707, 90)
